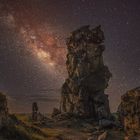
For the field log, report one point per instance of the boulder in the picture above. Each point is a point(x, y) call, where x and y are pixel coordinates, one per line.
point(99, 136)
point(106, 123)
point(55, 112)
point(103, 136)
point(129, 111)
point(83, 91)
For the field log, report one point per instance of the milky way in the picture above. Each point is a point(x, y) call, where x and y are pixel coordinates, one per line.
point(33, 50)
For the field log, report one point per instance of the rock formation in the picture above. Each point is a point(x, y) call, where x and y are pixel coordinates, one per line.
point(34, 111)
point(129, 111)
point(3, 110)
point(83, 91)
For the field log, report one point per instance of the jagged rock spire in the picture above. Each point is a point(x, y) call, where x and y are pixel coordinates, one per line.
point(83, 91)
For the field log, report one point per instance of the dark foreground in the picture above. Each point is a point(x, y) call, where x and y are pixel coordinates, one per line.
point(71, 129)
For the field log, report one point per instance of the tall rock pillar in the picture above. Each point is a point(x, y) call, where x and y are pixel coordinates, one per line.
point(83, 91)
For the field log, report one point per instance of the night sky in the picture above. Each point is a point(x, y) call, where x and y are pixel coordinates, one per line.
point(32, 47)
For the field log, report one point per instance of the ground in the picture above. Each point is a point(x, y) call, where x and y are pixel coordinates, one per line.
point(50, 130)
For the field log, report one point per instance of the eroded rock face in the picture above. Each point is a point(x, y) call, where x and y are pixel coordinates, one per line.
point(129, 111)
point(3, 110)
point(83, 91)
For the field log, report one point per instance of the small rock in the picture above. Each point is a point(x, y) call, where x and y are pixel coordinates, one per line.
point(93, 138)
point(55, 112)
point(103, 136)
point(99, 136)
point(106, 123)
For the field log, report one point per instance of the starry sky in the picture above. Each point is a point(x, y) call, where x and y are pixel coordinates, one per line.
point(33, 50)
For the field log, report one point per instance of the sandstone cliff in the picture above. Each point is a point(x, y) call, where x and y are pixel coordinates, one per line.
point(83, 91)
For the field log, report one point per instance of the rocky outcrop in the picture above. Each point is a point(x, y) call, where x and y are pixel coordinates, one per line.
point(129, 111)
point(83, 91)
point(55, 112)
point(3, 110)
point(34, 111)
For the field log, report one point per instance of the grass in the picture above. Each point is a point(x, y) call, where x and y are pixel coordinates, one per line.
point(24, 117)
point(22, 129)
point(15, 133)
point(25, 129)
point(115, 135)
point(48, 131)
point(18, 132)
point(53, 132)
